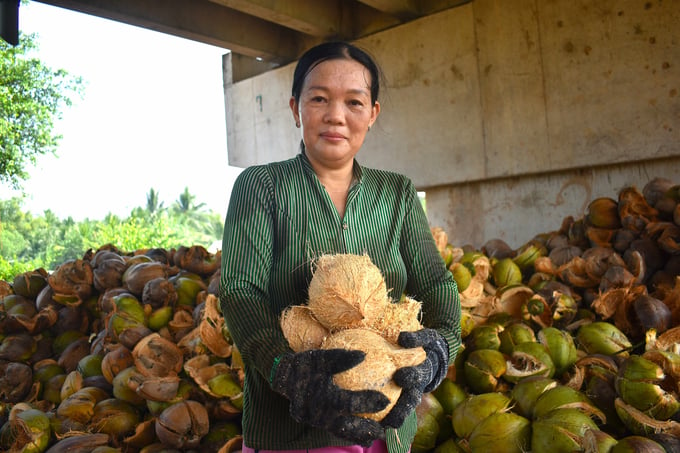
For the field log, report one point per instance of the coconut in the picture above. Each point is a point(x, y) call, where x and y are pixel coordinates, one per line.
point(212, 328)
point(157, 356)
point(376, 370)
point(402, 316)
point(347, 291)
point(301, 328)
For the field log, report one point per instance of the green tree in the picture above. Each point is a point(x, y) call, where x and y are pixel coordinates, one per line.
point(185, 204)
point(153, 205)
point(32, 97)
point(188, 213)
point(30, 241)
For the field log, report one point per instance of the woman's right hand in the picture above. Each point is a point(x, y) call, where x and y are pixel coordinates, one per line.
point(419, 379)
point(306, 379)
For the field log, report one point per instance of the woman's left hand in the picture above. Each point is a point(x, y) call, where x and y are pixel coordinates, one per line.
point(419, 379)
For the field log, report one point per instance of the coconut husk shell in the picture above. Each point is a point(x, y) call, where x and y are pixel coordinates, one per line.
point(116, 360)
point(137, 275)
point(29, 284)
point(72, 282)
point(155, 356)
point(108, 269)
point(79, 442)
point(144, 435)
point(441, 238)
point(347, 291)
point(197, 259)
point(202, 372)
point(233, 445)
point(155, 388)
point(181, 324)
point(159, 292)
point(375, 372)
point(211, 328)
point(5, 289)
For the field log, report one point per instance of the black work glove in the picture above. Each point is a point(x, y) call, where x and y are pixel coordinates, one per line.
point(419, 379)
point(306, 379)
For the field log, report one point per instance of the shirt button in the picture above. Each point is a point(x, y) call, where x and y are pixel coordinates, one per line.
point(344, 226)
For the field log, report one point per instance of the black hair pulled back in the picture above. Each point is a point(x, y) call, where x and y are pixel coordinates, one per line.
point(334, 50)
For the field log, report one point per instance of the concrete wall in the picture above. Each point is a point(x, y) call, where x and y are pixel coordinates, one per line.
point(516, 209)
point(510, 115)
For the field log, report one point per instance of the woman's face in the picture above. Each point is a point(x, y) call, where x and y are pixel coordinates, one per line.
point(335, 112)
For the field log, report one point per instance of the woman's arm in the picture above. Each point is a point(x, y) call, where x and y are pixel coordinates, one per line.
point(429, 281)
point(247, 257)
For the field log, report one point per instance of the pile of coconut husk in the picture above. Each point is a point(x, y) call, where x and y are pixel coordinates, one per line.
point(572, 340)
point(127, 351)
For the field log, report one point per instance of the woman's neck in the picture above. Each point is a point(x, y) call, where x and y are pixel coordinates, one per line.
point(334, 178)
point(336, 182)
point(337, 185)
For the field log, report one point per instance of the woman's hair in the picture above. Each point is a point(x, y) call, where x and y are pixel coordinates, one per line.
point(334, 50)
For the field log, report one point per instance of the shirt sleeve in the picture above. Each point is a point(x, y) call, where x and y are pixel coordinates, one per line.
point(429, 281)
point(247, 256)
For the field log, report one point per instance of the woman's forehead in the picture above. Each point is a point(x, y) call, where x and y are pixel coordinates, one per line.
point(339, 73)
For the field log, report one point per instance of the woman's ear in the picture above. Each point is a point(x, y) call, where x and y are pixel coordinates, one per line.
point(294, 108)
point(374, 113)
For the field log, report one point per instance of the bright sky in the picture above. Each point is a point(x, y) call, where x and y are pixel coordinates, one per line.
point(152, 116)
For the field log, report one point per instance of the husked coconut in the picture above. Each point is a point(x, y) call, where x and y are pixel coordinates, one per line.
point(376, 370)
point(347, 291)
point(301, 329)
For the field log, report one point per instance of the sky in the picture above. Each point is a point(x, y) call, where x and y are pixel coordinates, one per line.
point(152, 116)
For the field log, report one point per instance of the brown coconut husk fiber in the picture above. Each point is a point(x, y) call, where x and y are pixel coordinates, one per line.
point(375, 372)
point(302, 330)
point(402, 316)
point(347, 291)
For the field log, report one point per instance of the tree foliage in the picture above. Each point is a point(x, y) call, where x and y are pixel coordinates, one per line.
point(29, 242)
point(153, 205)
point(32, 97)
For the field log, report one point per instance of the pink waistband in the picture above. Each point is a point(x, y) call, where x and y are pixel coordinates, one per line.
point(378, 446)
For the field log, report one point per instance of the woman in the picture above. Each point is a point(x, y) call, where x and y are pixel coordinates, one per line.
point(283, 215)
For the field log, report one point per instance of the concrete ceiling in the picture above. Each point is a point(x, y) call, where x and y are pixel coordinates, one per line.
point(263, 34)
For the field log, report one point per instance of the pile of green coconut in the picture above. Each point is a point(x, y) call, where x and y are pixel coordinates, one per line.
point(572, 341)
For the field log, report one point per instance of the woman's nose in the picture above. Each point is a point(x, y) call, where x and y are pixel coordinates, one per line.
point(335, 113)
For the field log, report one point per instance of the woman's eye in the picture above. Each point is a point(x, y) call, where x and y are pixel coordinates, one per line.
point(356, 103)
point(317, 99)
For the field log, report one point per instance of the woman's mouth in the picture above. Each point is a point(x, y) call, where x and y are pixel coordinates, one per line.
point(332, 136)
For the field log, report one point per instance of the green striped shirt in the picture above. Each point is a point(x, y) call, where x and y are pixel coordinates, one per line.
point(280, 218)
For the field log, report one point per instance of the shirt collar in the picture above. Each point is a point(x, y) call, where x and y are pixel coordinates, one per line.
point(356, 169)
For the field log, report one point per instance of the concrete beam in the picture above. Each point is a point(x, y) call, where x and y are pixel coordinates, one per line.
point(330, 19)
point(306, 16)
point(411, 9)
point(243, 67)
point(200, 20)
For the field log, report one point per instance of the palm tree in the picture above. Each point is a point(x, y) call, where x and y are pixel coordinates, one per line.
point(189, 213)
point(152, 204)
point(185, 204)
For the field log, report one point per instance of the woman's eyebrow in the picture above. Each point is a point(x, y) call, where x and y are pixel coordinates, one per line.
point(351, 91)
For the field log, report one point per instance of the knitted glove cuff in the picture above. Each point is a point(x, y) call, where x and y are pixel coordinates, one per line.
point(438, 356)
point(437, 362)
